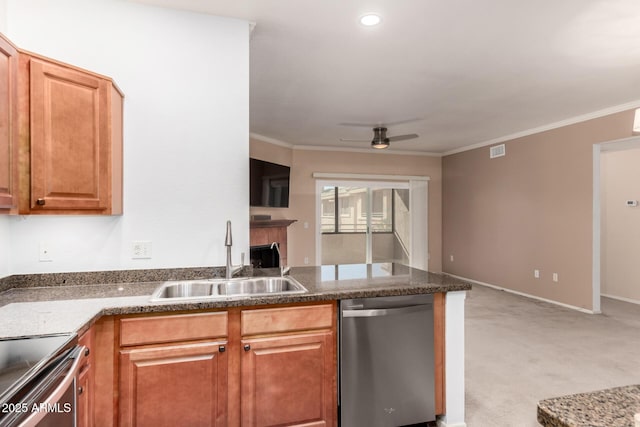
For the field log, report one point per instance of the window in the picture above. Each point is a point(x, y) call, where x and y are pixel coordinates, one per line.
point(328, 220)
point(382, 210)
point(345, 210)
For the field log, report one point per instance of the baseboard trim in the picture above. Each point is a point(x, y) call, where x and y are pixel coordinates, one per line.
point(441, 423)
point(523, 294)
point(629, 300)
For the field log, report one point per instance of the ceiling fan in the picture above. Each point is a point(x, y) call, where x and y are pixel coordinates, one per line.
point(380, 139)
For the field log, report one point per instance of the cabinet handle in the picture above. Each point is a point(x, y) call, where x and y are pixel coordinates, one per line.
point(247, 347)
point(222, 349)
point(40, 202)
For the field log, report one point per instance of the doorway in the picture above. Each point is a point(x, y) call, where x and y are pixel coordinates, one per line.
point(616, 221)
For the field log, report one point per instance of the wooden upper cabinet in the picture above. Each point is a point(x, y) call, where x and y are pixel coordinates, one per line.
point(8, 126)
point(75, 139)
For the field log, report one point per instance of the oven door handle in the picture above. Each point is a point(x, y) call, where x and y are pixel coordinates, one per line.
point(59, 391)
point(376, 312)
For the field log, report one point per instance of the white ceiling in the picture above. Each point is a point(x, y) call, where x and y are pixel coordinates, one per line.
point(465, 72)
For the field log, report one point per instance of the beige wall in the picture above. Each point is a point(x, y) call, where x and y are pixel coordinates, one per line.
point(620, 181)
point(302, 202)
point(531, 209)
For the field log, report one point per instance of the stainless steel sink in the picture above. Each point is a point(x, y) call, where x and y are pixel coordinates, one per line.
point(260, 285)
point(186, 289)
point(224, 288)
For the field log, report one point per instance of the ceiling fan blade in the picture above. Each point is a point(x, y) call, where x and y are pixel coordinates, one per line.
point(355, 140)
point(381, 124)
point(403, 137)
point(360, 125)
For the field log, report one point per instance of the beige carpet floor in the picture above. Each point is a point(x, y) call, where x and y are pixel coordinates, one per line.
point(520, 350)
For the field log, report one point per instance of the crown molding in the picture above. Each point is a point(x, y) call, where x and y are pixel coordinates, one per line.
point(364, 150)
point(270, 140)
point(551, 126)
point(342, 149)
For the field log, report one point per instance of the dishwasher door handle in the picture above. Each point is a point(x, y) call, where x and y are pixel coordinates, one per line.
point(377, 312)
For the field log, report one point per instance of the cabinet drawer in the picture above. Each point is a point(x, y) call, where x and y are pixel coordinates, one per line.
point(287, 319)
point(182, 327)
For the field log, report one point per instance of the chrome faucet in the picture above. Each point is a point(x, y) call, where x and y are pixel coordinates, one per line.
point(283, 269)
point(228, 242)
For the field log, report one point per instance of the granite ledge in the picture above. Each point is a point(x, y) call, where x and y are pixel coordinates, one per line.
point(64, 308)
point(111, 277)
point(614, 407)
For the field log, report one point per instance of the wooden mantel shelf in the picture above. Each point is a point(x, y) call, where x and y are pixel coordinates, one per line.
point(271, 223)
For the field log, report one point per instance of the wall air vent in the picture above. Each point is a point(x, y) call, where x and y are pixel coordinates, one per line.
point(497, 151)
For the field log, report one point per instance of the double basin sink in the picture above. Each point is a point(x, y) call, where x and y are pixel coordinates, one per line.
point(213, 289)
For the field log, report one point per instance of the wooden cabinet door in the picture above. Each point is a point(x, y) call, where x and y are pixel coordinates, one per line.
point(174, 385)
point(288, 380)
point(70, 136)
point(84, 407)
point(8, 125)
point(84, 385)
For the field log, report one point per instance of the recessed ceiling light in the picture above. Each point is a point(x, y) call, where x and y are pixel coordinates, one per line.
point(370, 19)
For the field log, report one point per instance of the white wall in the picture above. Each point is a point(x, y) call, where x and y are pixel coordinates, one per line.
point(4, 247)
point(186, 133)
point(3, 16)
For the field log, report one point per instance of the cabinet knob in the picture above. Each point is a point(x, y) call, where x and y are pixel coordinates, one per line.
point(247, 347)
point(80, 390)
point(40, 202)
point(222, 349)
point(86, 352)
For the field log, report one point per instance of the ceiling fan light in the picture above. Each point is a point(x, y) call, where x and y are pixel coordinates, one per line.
point(380, 145)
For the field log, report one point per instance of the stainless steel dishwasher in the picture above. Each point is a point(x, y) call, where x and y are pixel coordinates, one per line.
point(386, 361)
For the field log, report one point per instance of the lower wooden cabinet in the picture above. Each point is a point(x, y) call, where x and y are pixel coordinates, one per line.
point(288, 380)
point(271, 366)
point(84, 407)
point(85, 382)
point(174, 385)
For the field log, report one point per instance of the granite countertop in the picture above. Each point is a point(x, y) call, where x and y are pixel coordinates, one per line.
point(71, 302)
point(614, 407)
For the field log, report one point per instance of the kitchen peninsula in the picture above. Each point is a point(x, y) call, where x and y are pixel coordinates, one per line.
point(117, 312)
point(614, 407)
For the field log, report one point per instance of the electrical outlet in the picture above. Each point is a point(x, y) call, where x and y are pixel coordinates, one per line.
point(451, 258)
point(555, 277)
point(306, 260)
point(141, 249)
point(536, 274)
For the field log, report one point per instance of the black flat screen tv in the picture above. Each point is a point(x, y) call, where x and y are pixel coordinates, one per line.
point(269, 184)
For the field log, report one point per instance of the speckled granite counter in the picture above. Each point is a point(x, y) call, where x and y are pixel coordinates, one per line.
point(614, 407)
point(60, 303)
